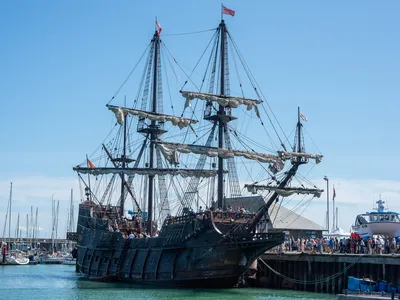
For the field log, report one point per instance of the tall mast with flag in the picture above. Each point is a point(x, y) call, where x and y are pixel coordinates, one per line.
point(226, 11)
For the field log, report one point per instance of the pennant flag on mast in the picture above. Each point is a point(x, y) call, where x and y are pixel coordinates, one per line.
point(90, 164)
point(227, 11)
point(159, 28)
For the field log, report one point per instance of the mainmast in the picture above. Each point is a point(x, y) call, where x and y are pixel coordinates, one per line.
point(221, 112)
point(153, 134)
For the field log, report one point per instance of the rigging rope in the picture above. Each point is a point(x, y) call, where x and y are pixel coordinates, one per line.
point(169, 52)
point(312, 140)
point(187, 33)
point(129, 75)
point(256, 87)
point(166, 76)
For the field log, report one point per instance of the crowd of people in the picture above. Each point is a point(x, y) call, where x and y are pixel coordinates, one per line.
point(353, 244)
point(138, 235)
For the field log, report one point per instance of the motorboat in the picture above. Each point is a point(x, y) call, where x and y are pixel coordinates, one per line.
point(380, 222)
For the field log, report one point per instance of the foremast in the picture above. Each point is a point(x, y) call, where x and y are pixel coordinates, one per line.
point(123, 165)
point(298, 158)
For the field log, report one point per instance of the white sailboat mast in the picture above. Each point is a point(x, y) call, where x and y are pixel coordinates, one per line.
point(9, 216)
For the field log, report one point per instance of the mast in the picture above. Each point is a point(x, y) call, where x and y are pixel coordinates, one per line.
point(32, 228)
point(5, 221)
point(71, 212)
point(27, 227)
point(122, 204)
point(296, 162)
point(90, 188)
point(52, 221)
point(71, 217)
point(221, 112)
point(298, 133)
point(153, 136)
point(9, 217)
point(17, 229)
point(36, 226)
point(56, 237)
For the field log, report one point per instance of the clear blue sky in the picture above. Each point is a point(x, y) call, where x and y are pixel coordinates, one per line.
point(61, 61)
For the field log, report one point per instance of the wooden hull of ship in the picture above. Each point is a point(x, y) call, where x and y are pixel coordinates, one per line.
point(104, 255)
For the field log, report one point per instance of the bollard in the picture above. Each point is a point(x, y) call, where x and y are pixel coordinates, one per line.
point(345, 292)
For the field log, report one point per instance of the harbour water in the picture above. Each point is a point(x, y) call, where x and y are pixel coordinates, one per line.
point(61, 282)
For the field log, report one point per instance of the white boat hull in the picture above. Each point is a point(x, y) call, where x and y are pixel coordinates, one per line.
point(69, 261)
point(391, 229)
point(17, 261)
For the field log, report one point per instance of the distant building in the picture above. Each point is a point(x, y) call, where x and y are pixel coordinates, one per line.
point(282, 219)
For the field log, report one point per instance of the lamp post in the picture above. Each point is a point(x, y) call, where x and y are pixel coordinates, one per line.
point(334, 225)
point(327, 202)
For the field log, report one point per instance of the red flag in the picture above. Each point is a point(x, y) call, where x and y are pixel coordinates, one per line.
point(334, 193)
point(159, 28)
point(90, 164)
point(227, 11)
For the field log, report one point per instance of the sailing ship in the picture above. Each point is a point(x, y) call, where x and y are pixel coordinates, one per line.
point(188, 226)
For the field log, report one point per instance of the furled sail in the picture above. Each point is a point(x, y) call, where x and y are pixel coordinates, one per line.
point(176, 121)
point(147, 171)
point(222, 100)
point(169, 150)
point(284, 192)
point(288, 155)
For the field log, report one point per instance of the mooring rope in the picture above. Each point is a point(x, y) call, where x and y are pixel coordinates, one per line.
point(311, 281)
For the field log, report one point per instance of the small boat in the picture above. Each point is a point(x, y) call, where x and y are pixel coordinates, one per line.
point(380, 222)
point(18, 259)
point(51, 259)
point(69, 260)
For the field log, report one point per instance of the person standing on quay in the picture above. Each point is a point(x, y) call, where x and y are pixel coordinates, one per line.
point(370, 246)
